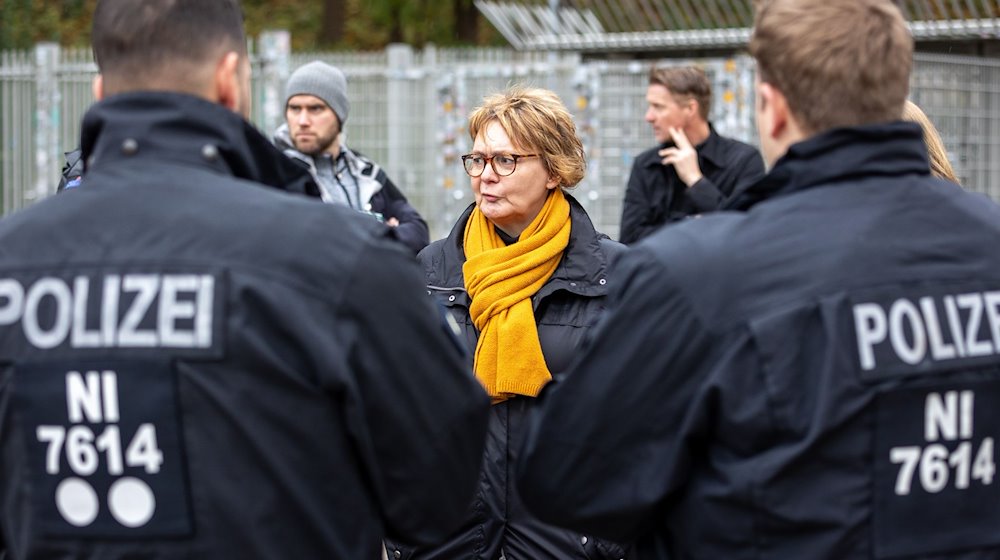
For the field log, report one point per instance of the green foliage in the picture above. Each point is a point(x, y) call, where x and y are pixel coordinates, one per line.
point(301, 17)
point(26, 22)
point(369, 24)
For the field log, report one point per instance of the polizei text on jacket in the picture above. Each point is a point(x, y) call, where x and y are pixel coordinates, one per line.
point(133, 310)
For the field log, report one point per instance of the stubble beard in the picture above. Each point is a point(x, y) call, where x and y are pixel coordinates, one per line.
point(322, 144)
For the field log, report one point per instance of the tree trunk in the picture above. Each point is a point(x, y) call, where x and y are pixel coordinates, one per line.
point(466, 22)
point(334, 14)
point(396, 24)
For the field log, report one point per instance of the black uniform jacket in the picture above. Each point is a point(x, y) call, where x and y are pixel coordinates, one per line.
point(565, 309)
point(656, 195)
point(194, 364)
point(818, 377)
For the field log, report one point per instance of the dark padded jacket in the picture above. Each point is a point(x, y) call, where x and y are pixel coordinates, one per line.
point(380, 196)
point(817, 377)
point(565, 309)
point(194, 364)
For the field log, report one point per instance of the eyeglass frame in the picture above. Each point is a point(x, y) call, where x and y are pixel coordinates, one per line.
point(489, 160)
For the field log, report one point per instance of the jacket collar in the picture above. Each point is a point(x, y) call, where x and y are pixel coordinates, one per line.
point(364, 171)
point(189, 130)
point(358, 165)
point(838, 155)
point(582, 269)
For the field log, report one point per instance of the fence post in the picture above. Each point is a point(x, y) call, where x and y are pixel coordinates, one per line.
point(275, 49)
point(47, 121)
point(400, 61)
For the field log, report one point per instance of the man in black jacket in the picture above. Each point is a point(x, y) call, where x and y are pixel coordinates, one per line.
point(817, 376)
point(693, 169)
point(198, 365)
point(316, 108)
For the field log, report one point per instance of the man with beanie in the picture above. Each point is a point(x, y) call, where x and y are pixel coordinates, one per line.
point(316, 108)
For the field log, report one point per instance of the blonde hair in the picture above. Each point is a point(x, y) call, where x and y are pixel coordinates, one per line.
point(838, 63)
point(940, 166)
point(536, 120)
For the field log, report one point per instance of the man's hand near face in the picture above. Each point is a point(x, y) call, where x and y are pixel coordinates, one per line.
point(683, 157)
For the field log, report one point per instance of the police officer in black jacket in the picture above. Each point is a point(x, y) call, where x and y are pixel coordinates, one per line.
point(198, 365)
point(816, 377)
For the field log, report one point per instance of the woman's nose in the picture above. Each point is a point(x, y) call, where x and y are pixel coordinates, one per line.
point(489, 174)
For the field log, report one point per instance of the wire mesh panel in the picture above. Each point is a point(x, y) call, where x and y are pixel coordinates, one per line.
point(619, 135)
point(961, 96)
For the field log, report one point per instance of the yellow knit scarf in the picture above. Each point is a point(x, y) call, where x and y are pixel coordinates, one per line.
point(500, 280)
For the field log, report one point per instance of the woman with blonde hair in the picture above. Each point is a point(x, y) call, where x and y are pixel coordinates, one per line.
point(940, 166)
point(524, 274)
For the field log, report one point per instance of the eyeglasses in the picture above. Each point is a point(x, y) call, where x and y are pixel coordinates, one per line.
point(503, 164)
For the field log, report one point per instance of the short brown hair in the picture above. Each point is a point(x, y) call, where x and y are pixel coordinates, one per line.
point(685, 82)
point(139, 44)
point(535, 119)
point(838, 63)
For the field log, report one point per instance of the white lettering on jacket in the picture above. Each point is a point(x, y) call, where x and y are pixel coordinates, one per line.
point(135, 310)
point(939, 329)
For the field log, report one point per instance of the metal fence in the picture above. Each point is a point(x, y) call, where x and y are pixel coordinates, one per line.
point(409, 108)
point(961, 96)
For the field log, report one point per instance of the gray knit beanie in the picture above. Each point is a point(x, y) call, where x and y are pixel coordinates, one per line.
point(325, 82)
